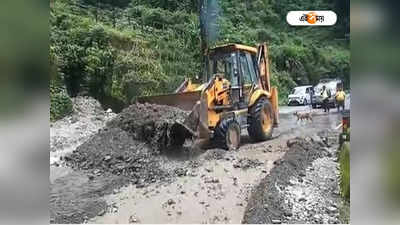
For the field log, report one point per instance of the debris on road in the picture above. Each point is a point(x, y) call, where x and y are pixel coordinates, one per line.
point(246, 163)
point(150, 123)
point(299, 187)
point(68, 133)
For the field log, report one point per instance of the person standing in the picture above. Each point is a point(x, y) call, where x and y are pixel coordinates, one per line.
point(325, 99)
point(340, 98)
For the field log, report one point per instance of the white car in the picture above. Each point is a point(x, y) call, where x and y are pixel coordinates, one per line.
point(331, 85)
point(300, 95)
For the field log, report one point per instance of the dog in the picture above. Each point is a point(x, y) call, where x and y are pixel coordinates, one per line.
point(303, 116)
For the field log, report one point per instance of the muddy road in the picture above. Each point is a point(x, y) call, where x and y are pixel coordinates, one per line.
point(212, 186)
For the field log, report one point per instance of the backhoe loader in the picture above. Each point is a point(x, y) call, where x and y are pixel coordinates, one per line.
point(235, 95)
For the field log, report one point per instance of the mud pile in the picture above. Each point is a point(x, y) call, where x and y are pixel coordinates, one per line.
point(156, 125)
point(268, 203)
point(130, 145)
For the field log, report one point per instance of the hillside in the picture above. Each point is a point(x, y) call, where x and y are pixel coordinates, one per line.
point(118, 50)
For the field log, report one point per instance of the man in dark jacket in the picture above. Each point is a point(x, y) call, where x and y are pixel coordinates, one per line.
point(325, 99)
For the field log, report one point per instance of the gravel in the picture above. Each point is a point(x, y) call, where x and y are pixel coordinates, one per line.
point(111, 151)
point(301, 187)
point(68, 133)
point(131, 145)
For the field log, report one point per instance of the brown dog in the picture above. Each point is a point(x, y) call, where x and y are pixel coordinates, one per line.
point(303, 116)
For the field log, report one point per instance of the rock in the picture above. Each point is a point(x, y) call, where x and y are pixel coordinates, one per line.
point(114, 209)
point(180, 172)
point(211, 180)
point(288, 214)
point(291, 142)
point(91, 177)
point(133, 219)
point(276, 221)
point(107, 158)
point(101, 213)
point(140, 185)
point(331, 209)
point(193, 174)
point(302, 199)
point(171, 202)
point(209, 170)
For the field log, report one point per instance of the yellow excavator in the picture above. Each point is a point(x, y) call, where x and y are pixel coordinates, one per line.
point(235, 95)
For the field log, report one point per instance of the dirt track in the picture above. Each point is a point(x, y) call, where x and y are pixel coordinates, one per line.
point(211, 186)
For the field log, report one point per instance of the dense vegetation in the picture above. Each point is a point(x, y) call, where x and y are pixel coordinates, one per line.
point(115, 50)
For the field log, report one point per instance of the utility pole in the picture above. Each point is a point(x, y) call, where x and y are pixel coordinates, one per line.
point(202, 10)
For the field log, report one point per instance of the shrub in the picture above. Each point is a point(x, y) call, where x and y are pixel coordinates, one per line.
point(60, 104)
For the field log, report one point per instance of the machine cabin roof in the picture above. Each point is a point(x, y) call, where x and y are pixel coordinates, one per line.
point(231, 48)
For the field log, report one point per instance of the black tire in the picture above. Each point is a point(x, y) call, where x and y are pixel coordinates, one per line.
point(255, 120)
point(227, 134)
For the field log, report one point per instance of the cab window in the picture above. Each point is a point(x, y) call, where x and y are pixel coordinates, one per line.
point(244, 66)
point(252, 67)
point(223, 65)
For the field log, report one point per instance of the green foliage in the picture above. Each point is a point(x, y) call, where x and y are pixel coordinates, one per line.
point(118, 50)
point(60, 102)
point(344, 161)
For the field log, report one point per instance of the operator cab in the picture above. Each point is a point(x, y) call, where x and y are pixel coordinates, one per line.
point(237, 64)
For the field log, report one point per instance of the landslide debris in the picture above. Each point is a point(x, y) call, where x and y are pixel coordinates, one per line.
point(157, 125)
point(270, 203)
point(130, 145)
point(68, 133)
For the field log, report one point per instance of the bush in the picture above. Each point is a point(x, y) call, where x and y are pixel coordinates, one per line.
point(344, 160)
point(60, 105)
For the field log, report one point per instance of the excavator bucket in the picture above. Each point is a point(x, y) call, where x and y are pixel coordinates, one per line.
point(184, 101)
point(188, 101)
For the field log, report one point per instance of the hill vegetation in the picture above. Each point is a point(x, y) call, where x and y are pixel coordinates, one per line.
point(116, 50)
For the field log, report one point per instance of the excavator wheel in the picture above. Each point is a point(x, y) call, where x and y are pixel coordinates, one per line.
point(227, 132)
point(261, 120)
